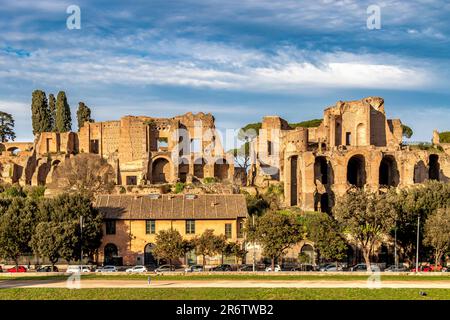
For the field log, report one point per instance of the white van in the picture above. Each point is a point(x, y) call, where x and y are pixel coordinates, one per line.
point(77, 268)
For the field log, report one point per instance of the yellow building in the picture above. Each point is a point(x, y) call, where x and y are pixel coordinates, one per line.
point(131, 223)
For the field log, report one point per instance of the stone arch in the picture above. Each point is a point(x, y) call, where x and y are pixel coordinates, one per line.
point(110, 252)
point(221, 168)
point(433, 167)
point(388, 172)
point(14, 150)
point(356, 171)
point(2, 148)
point(322, 170)
point(43, 171)
point(160, 170)
point(149, 258)
point(322, 202)
point(361, 136)
point(420, 172)
point(307, 251)
point(199, 168)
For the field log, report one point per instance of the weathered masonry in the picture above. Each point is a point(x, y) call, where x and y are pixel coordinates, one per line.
point(355, 145)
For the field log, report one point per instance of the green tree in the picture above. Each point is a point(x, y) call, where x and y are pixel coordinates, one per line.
point(83, 114)
point(63, 119)
point(47, 241)
point(208, 244)
point(444, 137)
point(275, 232)
point(307, 124)
point(52, 110)
point(6, 127)
point(366, 217)
point(242, 155)
point(437, 233)
point(419, 200)
point(168, 245)
point(17, 223)
point(326, 234)
point(407, 131)
point(66, 210)
point(40, 113)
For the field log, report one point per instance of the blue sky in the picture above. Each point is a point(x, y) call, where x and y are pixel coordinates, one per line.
point(239, 60)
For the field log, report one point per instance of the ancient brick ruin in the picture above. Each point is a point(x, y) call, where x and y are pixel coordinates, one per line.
point(355, 145)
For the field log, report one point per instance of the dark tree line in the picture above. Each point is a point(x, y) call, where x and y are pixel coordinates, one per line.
point(47, 227)
point(54, 115)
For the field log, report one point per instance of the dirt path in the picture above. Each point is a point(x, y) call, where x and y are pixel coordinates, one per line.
point(222, 284)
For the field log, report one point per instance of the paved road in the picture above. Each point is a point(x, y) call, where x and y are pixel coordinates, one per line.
point(222, 284)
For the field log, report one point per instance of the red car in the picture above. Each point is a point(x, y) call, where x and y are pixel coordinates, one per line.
point(19, 269)
point(1, 270)
point(422, 269)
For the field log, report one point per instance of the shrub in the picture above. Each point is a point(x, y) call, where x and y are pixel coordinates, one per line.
point(179, 187)
point(209, 180)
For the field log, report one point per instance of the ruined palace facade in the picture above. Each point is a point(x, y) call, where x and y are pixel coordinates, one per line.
point(142, 150)
point(355, 145)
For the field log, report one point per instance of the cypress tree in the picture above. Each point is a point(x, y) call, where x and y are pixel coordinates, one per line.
point(83, 114)
point(40, 114)
point(63, 117)
point(6, 127)
point(52, 109)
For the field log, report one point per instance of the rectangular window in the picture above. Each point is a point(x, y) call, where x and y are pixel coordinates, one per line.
point(163, 143)
point(240, 230)
point(110, 226)
point(196, 145)
point(131, 180)
point(348, 138)
point(269, 148)
point(94, 146)
point(190, 226)
point(150, 227)
point(228, 233)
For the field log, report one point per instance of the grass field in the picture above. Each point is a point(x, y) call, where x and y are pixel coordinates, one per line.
point(222, 294)
point(265, 276)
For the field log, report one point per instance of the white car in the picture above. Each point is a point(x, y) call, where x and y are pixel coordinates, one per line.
point(331, 268)
point(107, 269)
point(137, 269)
point(277, 268)
point(77, 268)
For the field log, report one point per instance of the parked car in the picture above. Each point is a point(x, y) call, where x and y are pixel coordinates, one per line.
point(1, 270)
point(18, 269)
point(47, 269)
point(245, 267)
point(222, 267)
point(107, 269)
point(422, 269)
point(137, 269)
point(332, 267)
point(393, 268)
point(194, 268)
point(165, 268)
point(304, 267)
point(78, 268)
point(363, 267)
point(277, 268)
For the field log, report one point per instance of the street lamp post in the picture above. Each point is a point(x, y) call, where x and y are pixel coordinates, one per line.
point(395, 249)
point(81, 243)
point(254, 252)
point(417, 244)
